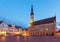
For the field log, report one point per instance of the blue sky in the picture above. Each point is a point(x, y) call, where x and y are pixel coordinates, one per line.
point(18, 11)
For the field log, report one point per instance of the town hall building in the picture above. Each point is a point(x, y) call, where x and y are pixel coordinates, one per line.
point(44, 27)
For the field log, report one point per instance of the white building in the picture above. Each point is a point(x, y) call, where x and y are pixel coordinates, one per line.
point(3, 25)
point(12, 29)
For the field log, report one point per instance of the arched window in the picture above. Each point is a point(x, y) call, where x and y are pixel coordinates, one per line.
point(52, 34)
point(46, 34)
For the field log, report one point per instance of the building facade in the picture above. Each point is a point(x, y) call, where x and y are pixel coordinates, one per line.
point(10, 29)
point(13, 29)
point(42, 27)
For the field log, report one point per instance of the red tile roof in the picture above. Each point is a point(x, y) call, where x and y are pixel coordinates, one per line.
point(45, 21)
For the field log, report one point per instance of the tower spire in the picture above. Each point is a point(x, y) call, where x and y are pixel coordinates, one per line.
point(32, 10)
point(31, 16)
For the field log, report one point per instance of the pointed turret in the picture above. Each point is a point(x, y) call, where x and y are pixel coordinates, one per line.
point(32, 10)
point(31, 16)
